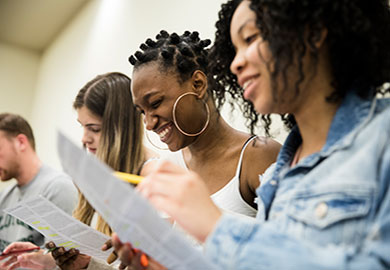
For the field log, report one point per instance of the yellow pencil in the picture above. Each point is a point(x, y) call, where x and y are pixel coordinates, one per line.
point(128, 177)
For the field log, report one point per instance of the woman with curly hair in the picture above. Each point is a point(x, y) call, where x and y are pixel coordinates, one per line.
point(325, 66)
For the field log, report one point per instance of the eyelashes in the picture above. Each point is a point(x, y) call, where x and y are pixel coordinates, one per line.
point(251, 38)
point(155, 104)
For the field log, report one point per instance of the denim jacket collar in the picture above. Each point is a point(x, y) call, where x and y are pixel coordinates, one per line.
point(348, 120)
point(351, 114)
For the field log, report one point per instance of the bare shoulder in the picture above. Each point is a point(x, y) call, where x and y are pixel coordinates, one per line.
point(262, 152)
point(258, 156)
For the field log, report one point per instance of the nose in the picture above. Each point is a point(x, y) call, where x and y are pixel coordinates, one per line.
point(86, 138)
point(238, 63)
point(150, 121)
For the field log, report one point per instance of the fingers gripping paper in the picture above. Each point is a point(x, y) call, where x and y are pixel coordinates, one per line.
point(128, 213)
point(59, 227)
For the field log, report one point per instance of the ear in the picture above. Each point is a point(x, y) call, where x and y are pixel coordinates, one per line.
point(21, 142)
point(320, 39)
point(199, 83)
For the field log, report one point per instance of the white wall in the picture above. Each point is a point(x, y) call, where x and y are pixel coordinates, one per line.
point(18, 73)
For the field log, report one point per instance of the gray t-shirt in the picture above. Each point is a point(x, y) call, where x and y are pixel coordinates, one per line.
point(51, 184)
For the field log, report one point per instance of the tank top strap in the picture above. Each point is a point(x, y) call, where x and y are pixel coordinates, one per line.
point(238, 170)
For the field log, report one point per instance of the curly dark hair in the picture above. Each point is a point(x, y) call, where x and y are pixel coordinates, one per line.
point(182, 54)
point(358, 41)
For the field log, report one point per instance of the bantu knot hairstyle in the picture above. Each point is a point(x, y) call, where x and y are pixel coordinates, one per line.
point(184, 54)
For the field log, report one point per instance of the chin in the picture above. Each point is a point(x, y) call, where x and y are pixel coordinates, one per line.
point(263, 110)
point(263, 107)
point(174, 148)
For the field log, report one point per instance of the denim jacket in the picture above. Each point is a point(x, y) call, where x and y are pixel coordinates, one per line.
point(330, 211)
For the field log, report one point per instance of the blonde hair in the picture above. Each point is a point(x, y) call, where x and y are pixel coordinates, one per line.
point(120, 146)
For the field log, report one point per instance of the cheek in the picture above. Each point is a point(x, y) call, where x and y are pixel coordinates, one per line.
point(259, 55)
point(252, 54)
point(265, 52)
point(97, 138)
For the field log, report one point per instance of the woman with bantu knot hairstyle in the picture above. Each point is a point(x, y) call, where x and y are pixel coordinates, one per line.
point(171, 90)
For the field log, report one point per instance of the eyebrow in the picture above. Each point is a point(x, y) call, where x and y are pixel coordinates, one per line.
point(89, 125)
point(244, 24)
point(146, 98)
point(92, 125)
point(148, 95)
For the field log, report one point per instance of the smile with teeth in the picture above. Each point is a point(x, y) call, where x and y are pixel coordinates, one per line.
point(164, 132)
point(247, 83)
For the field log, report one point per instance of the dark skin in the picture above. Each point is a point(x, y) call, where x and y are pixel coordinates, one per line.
point(68, 260)
point(72, 259)
point(154, 94)
point(131, 258)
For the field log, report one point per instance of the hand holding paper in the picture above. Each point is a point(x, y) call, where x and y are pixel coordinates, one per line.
point(128, 213)
point(68, 259)
point(26, 255)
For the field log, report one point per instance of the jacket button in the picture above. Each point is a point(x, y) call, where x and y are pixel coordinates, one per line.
point(273, 182)
point(321, 210)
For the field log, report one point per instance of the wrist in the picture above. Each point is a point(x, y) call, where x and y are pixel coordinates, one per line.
point(211, 225)
point(87, 261)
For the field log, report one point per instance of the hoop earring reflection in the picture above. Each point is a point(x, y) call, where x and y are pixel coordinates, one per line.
point(154, 145)
point(177, 124)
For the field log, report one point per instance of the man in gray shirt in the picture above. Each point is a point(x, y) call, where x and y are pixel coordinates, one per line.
point(19, 160)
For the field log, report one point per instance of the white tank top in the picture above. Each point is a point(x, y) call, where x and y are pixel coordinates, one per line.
point(228, 198)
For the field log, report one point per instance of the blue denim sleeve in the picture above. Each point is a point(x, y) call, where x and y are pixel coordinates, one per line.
point(250, 244)
point(244, 244)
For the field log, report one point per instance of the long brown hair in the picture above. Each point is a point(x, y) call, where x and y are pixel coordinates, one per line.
point(120, 146)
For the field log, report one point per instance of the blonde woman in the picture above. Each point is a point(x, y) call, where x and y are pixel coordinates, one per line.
point(113, 130)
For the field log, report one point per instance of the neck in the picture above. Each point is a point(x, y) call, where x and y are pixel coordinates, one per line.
point(29, 168)
point(212, 141)
point(315, 117)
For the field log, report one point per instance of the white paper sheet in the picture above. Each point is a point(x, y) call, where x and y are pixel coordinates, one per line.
point(128, 213)
point(59, 227)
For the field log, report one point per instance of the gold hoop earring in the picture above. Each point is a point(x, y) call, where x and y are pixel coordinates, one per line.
point(174, 115)
point(150, 141)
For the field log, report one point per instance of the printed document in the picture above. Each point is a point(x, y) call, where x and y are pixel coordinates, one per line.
point(128, 213)
point(59, 227)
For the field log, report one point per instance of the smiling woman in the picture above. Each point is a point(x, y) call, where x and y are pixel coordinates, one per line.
point(171, 89)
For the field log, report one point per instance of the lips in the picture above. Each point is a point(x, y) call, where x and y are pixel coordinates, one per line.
point(248, 84)
point(164, 132)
